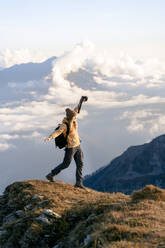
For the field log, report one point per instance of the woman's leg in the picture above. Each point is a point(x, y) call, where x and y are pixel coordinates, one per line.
point(69, 153)
point(78, 157)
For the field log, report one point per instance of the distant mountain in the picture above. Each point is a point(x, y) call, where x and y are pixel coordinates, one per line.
point(136, 167)
point(26, 72)
point(18, 81)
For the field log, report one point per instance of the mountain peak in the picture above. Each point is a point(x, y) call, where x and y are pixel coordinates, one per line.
point(41, 214)
point(132, 170)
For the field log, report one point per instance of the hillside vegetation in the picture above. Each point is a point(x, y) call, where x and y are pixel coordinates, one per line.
point(41, 214)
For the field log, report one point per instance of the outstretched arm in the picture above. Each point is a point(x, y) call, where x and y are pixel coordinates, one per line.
point(57, 132)
point(82, 99)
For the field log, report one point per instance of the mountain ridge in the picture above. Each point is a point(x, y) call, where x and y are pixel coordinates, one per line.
point(26, 71)
point(132, 167)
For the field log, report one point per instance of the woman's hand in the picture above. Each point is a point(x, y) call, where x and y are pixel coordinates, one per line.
point(47, 139)
point(84, 98)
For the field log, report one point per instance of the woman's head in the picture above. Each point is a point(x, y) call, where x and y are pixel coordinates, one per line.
point(70, 114)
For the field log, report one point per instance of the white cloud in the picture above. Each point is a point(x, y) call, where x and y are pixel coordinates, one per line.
point(106, 72)
point(125, 67)
point(5, 146)
point(28, 84)
point(158, 125)
point(30, 116)
point(10, 57)
point(151, 121)
point(72, 61)
point(30, 119)
point(11, 136)
point(24, 121)
point(126, 70)
point(105, 82)
point(8, 136)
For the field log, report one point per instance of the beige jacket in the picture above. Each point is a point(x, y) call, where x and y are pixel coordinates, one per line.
point(73, 138)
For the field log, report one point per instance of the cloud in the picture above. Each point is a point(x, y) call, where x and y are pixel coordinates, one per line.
point(28, 84)
point(5, 146)
point(150, 121)
point(10, 57)
point(115, 86)
point(29, 116)
point(30, 120)
point(18, 136)
point(126, 70)
point(61, 88)
point(106, 72)
point(8, 136)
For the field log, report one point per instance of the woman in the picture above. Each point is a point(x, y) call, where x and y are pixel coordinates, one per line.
point(72, 148)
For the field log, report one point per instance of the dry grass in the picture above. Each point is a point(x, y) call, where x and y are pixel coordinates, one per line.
point(111, 220)
point(149, 192)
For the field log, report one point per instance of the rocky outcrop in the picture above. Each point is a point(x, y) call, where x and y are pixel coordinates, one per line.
point(26, 219)
point(136, 167)
point(40, 214)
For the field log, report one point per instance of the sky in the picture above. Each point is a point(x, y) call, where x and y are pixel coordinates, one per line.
point(135, 27)
point(111, 51)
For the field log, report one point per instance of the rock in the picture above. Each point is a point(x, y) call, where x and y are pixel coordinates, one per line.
point(43, 219)
point(50, 213)
point(91, 216)
point(43, 202)
point(88, 239)
point(46, 236)
point(37, 197)
point(29, 206)
point(19, 213)
point(59, 245)
point(9, 218)
point(2, 232)
point(26, 239)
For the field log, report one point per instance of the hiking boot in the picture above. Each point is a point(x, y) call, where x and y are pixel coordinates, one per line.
point(79, 185)
point(50, 177)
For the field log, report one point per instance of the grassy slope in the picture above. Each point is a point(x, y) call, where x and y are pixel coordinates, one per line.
point(89, 218)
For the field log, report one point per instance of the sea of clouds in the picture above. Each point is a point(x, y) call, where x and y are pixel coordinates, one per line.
point(9, 57)
point(125, 93)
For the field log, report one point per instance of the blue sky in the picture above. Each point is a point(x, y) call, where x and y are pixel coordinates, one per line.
point(136, 27)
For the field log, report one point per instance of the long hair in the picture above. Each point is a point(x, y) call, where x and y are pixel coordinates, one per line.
point(71, 118)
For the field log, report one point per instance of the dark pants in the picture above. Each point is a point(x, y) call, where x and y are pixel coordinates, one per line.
point(70, 153)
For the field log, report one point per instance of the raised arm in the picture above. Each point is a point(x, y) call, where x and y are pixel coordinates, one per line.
point(78, 107)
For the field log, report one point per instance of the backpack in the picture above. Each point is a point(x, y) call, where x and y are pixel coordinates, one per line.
point(61, 140)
